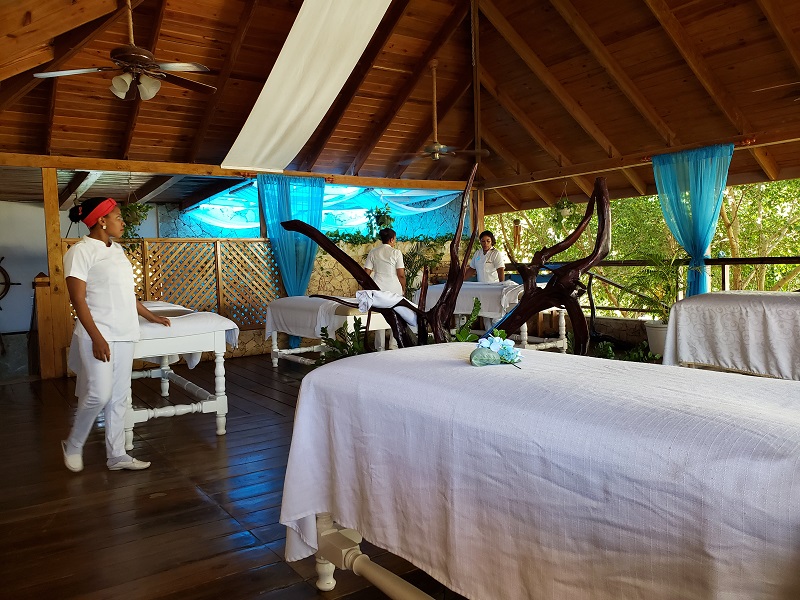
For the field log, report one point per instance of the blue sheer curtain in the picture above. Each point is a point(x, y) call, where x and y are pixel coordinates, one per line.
point(690, 186)
point(282, 199)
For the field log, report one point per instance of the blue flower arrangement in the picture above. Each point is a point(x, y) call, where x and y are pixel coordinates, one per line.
point(495, 349)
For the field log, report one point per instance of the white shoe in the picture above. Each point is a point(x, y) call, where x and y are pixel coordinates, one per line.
point(74, 462)
point(133, 464)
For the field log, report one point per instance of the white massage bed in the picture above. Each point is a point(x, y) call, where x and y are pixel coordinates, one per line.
point(304, 316)
point(496, 300)
point(190, 334)
point(757, 333)
point(570, 478)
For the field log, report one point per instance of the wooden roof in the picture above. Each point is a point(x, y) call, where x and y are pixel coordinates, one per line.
point(567, 89)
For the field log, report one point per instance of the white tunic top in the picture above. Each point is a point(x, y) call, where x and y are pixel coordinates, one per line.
point(486, 265)
point(109, 288)
point(384, 261)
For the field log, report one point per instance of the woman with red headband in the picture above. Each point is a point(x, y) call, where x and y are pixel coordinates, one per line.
point(101, 287)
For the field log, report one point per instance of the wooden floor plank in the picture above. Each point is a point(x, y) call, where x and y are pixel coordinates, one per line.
point(201, 523)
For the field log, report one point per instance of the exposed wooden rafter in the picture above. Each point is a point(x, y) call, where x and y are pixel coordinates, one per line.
point(353, 83)
point(500, 149)
point(590, 39)
point(570, 104)
point(697, 63)
point(759, 140)
point(532, 129)
point(245, 20)
point(780, 25)
point(65, 47)
point(212, 189)
point(508, 196)
point(402, 95)
point(155, 32)
point(426, 132)
point(79, 184)
point(155, 186)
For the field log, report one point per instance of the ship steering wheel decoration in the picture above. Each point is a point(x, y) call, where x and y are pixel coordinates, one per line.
point(5, 281)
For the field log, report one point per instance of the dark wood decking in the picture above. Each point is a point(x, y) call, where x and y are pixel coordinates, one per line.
point(202, 522)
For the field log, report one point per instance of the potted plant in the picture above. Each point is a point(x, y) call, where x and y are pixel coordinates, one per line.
point(656, 287)
point(379, 218)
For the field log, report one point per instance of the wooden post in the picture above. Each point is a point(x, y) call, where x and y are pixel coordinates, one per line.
point(478, 197)
point(517, 233)
point(61, 325)
point(44, 326)
point(218, 261)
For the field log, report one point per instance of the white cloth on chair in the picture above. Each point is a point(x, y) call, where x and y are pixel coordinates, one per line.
point(370, 299)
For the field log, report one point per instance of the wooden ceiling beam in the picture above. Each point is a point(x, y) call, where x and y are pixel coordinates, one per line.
point(551, 82)
point(402, 95)
point(151, 189)
point(245, 20)
point(490, 138)
point(133, 117)
point(66, 46)
point(756, 141)
point(213, 189)
point(27, 25)
point(79, 184)
point(697, 63)
point(780, 25)
point(444, 109)
point(590, 39)
point(532, 129)
point(506, 194)
point(13, 65)
point(83, 163)
point(335, 113)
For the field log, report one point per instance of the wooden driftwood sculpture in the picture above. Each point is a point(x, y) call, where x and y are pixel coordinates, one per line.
point(560, 291)
point(439, 315)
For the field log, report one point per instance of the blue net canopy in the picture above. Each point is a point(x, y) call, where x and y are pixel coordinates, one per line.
point(344, 209)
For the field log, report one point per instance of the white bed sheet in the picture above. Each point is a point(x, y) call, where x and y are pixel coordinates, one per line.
point(305, 316)
point(496, 298)
point(186, 325)
point(749, 332)
point(572, 477)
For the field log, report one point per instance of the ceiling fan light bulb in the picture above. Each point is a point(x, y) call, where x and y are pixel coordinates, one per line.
point(121, 83)
point(148, 87)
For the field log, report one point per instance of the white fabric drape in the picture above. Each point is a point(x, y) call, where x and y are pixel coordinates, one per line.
point(323, 47)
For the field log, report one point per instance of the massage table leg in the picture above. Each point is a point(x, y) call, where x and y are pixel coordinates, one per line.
point(219, 391)
point(339, 548)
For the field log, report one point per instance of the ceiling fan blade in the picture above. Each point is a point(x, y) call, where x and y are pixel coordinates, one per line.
point(186, 67)
point(189, 84)
point(775, 87)
point(47, 74)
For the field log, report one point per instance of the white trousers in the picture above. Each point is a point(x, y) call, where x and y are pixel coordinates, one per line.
point(103, 386)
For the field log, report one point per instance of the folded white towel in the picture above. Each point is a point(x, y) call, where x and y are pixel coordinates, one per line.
point(369, 299)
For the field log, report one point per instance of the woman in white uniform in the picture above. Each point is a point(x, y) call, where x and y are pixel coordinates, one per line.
point(487, 263)
point(385, 265)
point(101, 287)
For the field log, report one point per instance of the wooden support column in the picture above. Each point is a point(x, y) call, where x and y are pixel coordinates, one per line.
point(61, 329)
point(478, 197)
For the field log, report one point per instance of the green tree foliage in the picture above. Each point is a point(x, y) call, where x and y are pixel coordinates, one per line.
point(756, 220)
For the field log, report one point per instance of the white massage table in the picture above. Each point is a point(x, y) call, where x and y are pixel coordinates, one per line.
point(757, 333)
point(304, 316)
point(496, 300)
point(190, 334)
point(570, 478)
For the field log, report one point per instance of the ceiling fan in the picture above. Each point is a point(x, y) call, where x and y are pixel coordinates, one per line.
point(779, 86)
point(437, 150)
point(141, 73)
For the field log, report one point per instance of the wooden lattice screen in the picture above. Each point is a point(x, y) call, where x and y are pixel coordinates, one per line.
point(236, 278)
